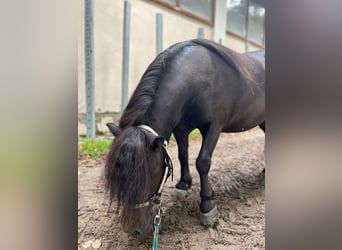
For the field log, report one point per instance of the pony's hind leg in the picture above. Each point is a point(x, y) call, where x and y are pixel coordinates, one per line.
point(208, 207)
point(185, 182)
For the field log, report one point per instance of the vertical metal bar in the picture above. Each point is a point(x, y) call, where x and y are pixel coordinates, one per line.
point(263, 25)
point(89, 68)
point(200, 33)
point(125, 54)
point(213, 6)
point(246, 46)
point(246, 27)
point(159, 33)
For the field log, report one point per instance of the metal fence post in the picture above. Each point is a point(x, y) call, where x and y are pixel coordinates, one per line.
point(200, 33)
point(125, 54)
point(246, 46)
point(159, 33)
point(89, 68)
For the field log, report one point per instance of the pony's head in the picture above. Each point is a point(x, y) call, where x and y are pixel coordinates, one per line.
point(133, 173)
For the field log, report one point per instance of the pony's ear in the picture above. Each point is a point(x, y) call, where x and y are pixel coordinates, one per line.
point(113, 128)
point(158, 142)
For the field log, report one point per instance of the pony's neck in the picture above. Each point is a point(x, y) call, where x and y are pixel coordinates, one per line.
point(164, 117)
point(163, 125)
point(161, 118)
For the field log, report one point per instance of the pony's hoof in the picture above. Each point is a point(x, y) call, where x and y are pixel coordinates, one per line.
point(180, 193)
point(209, 218)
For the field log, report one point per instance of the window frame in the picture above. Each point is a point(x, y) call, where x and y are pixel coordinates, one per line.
point(188, 13)
point(245, 38)
point(193, 15)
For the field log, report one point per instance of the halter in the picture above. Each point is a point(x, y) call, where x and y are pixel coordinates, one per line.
point(156, 197)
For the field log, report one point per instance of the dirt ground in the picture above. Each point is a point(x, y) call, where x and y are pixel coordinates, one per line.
point(237, 179)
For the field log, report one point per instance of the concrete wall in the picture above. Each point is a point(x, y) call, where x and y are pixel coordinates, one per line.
point(108, 23)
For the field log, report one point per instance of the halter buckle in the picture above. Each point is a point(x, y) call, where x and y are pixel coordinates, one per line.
point(155, 200)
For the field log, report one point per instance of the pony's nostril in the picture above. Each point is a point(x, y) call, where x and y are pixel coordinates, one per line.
point(137, 233)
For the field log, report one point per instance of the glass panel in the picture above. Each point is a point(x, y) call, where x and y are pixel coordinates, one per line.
point(173, 2)
point(201, 8)
point(236, 16)
point(256, 23)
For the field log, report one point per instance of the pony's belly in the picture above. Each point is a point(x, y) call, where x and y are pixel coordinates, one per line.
point(237, 129)
point(242, 125)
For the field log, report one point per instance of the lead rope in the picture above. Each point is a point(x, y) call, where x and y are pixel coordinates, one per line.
point(156, 223)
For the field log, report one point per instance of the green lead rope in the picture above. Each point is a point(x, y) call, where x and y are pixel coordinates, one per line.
point(155, 237)
point(156, 223)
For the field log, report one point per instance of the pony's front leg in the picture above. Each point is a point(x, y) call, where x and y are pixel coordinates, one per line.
point(185, 182)
point(208, 206)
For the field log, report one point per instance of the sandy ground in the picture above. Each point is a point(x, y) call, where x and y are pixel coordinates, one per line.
point(239, 185)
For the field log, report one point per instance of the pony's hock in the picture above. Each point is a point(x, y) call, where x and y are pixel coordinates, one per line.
point(193, 84)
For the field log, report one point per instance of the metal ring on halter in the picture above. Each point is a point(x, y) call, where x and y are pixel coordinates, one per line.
point(157, 218)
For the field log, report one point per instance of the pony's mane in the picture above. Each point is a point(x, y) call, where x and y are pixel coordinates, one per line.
point(143, 95)
point(126, 175)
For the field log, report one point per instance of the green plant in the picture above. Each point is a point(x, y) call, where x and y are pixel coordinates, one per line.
point(93, 147)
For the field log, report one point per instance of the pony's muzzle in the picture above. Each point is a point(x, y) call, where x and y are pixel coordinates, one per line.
point(142, 228)
point(141, 233)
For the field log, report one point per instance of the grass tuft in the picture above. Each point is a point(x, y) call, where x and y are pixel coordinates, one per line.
point(93, 147)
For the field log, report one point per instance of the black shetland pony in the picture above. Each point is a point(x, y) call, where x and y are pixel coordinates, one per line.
point(193, 84)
